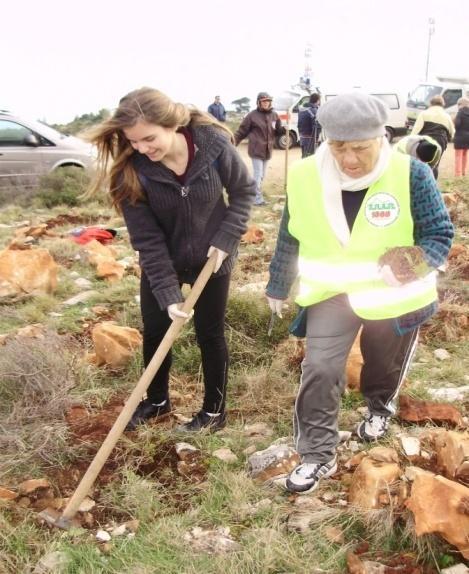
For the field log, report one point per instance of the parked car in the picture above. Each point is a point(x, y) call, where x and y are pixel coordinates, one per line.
point(29, 149)
point(451, 89)
point(296, 101)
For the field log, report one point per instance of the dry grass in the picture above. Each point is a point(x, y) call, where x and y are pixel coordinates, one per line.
point(36, 377)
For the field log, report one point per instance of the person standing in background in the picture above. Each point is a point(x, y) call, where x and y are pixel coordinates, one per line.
point(308, 126)
point(461, 137)
point(437, 124)
point(260, 127)
point(217, 110)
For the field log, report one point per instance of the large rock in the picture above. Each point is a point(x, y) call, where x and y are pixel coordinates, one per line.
point(441, 506)
point(416, 411)
point(354, 365)
point(452, 450)
point(371, 479)
point(273, 462)
point(103, 257)
point(27, 272)
point(114, 345)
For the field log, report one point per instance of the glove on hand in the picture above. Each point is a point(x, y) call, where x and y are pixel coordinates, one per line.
point(174, 312)
point(276, 305)
point(388, 276)
point(221, 256)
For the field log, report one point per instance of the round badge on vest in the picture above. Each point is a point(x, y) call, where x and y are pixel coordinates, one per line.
point(382, 209)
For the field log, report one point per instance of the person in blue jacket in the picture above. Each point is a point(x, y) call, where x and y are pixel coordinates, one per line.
point(308, 126)
point(217, 110)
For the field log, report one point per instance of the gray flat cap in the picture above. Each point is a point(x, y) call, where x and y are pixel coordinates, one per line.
point(353, 116)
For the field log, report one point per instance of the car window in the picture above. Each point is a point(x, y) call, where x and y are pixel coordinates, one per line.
point(451, 97)
point(390, 99)
point(12, 134)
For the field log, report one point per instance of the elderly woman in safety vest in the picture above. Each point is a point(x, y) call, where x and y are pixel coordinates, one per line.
point(352, 210)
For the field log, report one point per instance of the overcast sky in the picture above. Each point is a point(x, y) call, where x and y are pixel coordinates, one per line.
point(61, 59)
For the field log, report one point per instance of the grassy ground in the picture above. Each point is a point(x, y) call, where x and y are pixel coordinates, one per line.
point(41, 379)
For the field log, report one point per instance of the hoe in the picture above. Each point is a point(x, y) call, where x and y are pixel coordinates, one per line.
point(65, 521)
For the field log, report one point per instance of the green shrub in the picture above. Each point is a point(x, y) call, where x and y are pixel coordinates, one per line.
point(63, 187)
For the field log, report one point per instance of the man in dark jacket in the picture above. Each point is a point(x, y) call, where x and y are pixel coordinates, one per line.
point(260, 127)
point(217, 110)
point(308, 126)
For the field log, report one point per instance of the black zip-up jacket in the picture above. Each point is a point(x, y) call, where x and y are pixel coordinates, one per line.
point(174, 226)
point(461, 136)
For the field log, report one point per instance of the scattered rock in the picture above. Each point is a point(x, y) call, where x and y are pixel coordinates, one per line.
point(416, 411)
point(410, 445)
point(216, 541)
point(449, 394)
point(29, 486)
point(225, 454)
point(186, 451)
point(412, 471)
point(103, 536)
point(441, 354)
point(53, 563)
point(370, 479)
point(27, 272)
point(354, 446)
point(456, 569)
point(354, 365)
point(304, 513)
point(334, 534)
point(251, 449)
point(448, 513)
point(452, 450)
point(383, 454)
point(34, 331)
point(114, 345)
point(355, 460)
point(273, 462)
point(344, 435)
point(80, 298)
point(86, 505)
point(6, 494)
point(83, 283)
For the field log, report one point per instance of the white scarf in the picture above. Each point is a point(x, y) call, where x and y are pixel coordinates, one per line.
point(333, 181)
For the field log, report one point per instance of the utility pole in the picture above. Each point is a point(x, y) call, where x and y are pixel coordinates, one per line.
point(431, 31)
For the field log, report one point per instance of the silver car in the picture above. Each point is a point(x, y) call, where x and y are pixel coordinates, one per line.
point(29, 149)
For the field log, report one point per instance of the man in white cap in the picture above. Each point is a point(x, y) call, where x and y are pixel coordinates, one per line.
point(347, 206)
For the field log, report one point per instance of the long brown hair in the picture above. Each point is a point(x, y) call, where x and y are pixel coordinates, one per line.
point(114, 168)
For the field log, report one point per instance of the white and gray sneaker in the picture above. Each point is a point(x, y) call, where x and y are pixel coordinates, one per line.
point(305, 478)
point(372, 427)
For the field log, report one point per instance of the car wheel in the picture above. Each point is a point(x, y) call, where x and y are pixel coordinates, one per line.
point(282, 141)
point(389, 134)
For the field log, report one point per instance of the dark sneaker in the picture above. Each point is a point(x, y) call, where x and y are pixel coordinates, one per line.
point(202, 420)
point(147, 410)
point(372, 427)
point(305, 478)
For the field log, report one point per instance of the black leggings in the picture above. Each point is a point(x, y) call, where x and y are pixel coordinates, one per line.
point(209, 322)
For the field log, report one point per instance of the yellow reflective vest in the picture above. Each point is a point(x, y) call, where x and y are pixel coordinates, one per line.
point(327, 268)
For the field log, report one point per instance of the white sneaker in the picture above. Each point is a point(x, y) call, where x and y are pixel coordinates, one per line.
point(306, 477)
point(372, 427)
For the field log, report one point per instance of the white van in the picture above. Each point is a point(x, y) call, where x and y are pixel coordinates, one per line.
point(296, 100)
point(451, 89)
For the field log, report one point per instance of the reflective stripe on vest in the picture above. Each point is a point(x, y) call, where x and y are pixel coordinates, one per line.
point(326, 268)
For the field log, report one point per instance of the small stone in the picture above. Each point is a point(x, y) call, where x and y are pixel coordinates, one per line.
point(184, 450)
point(412, 471)
point(354, 446)
point(53, 563)
point(441, 354)
point(344, 436)
point(118, 530)
point(456, 569)
point(103, 536)
point(6, 494)
point(132, 525)
point(225, 454)
point(86, 505)
point(251, 449)
point(83, 283)
point(80, 298)
point(334, 534)
point(410, 445)
point(30, 486)
point(449, 394)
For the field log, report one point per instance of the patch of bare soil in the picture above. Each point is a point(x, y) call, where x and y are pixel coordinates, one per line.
point(69, 218)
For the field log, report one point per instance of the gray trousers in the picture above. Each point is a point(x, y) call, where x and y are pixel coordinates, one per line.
point(331, 330)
